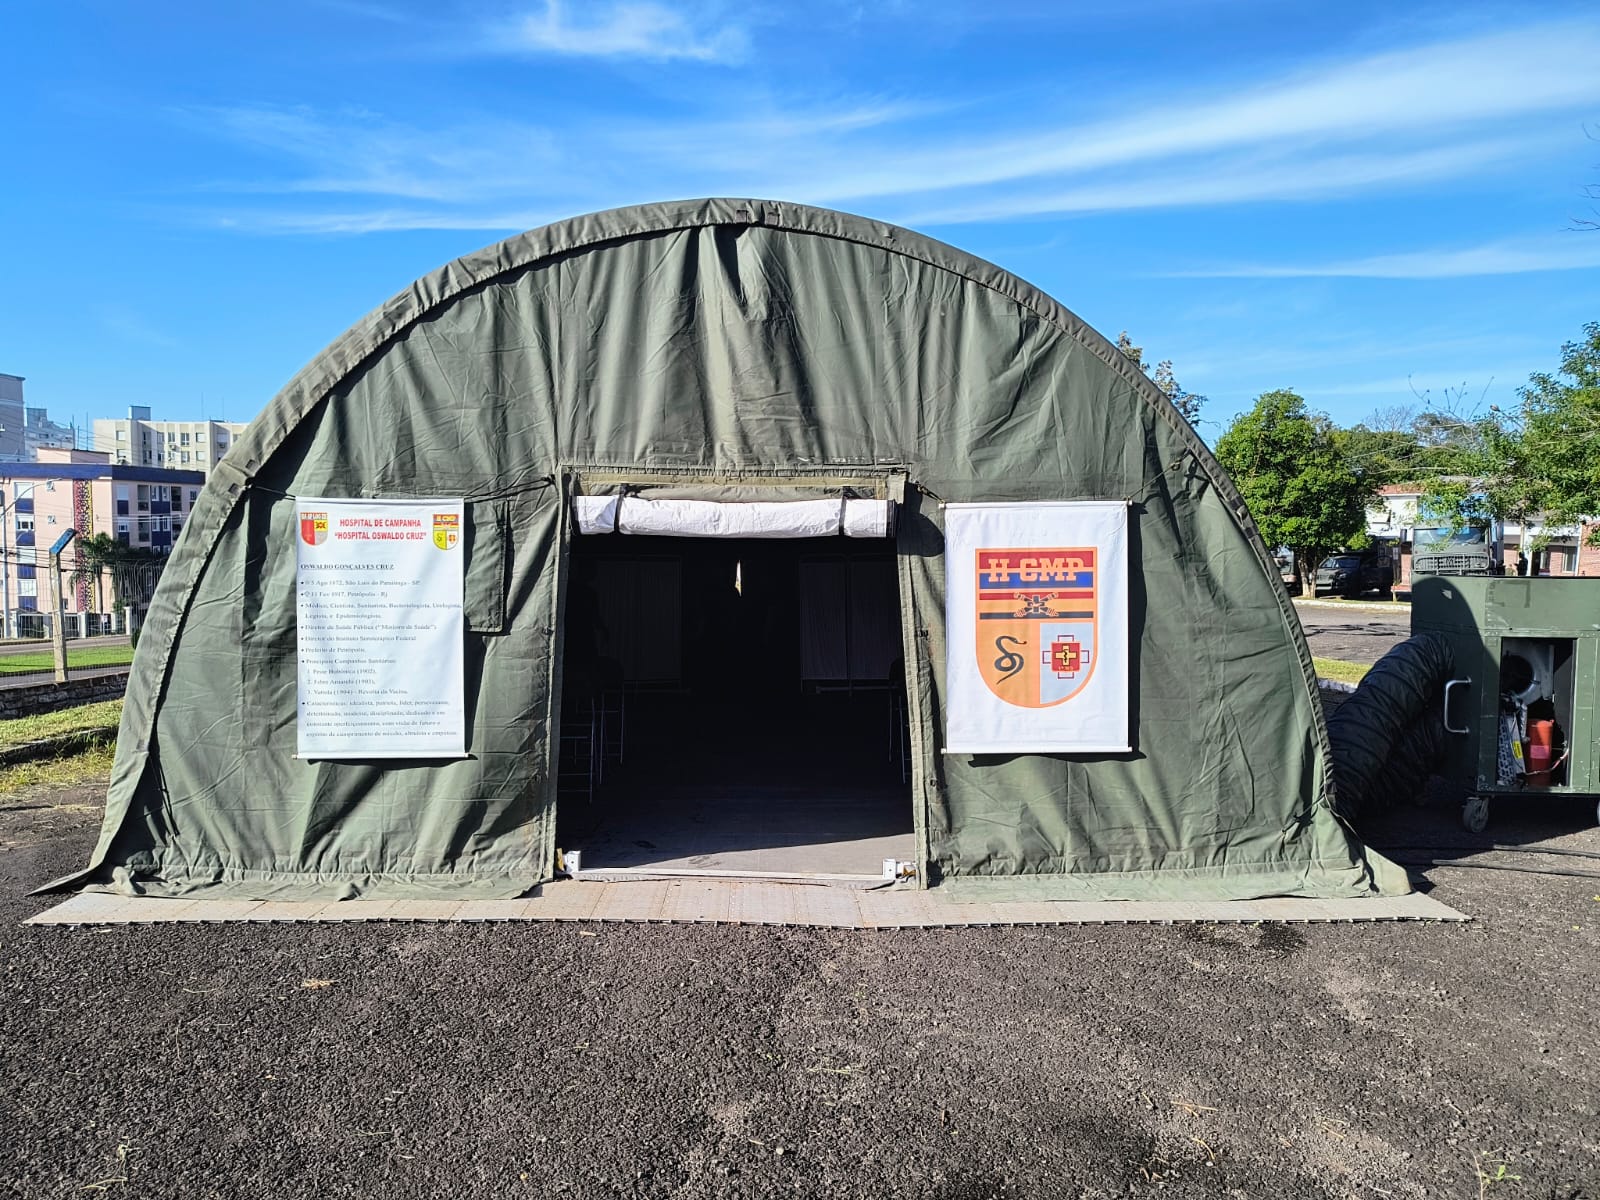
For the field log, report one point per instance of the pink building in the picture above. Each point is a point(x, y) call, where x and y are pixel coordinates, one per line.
point(142, 507)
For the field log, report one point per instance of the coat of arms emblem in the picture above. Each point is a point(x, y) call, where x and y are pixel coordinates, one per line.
point(1036, 622)
point(446, 530)
point(313, 528)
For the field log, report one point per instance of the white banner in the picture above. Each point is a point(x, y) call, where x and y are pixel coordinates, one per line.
point(1036, 617)
point(378, 594)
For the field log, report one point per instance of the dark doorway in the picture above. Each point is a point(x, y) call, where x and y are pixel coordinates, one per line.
point(734, 705)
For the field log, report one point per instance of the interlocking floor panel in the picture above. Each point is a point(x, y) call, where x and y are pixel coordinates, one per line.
point(742, 902)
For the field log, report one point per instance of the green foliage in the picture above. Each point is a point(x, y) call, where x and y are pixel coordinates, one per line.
point(1541, 460)
point(1186, 402)
point(102, 715)
point(1402, 445)
point(1288, 466)
point(1559, 435)
point(131, 569)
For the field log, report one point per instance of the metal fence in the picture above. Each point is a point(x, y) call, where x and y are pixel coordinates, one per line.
point(96, 603)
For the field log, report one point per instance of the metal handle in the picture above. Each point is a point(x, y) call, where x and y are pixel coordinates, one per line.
point(1449, 728)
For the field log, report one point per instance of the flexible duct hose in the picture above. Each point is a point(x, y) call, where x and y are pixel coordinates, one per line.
point(1388, 736)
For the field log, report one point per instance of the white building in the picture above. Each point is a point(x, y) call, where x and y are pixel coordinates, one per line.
point(1392, 516)
point(138, 441)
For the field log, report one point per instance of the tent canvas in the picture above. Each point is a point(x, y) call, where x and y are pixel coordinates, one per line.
point(736, 351)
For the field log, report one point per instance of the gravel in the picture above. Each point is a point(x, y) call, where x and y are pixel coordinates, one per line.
point(1383, 1060)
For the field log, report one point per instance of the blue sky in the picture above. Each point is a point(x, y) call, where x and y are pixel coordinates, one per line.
point(1361, 201)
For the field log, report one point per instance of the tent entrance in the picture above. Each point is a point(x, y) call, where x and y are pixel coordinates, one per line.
point(734, 706)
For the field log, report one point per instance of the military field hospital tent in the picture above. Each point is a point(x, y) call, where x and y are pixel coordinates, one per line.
point(723, 536)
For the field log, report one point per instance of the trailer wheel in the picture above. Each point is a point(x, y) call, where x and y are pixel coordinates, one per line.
point(1475, 816)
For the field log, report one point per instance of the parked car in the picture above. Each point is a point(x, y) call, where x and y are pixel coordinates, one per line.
point(1355, 573)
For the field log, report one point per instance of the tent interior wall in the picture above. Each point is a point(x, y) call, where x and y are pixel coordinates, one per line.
point(755, 347)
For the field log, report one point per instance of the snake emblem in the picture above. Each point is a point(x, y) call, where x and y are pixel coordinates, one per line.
point(1009, 662)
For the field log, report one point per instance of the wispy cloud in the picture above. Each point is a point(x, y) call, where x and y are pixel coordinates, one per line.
point(1229, 180)
point(1515, 257)
point(129, 327)
point(627, 30)
point(1402, 94)
point(1376, 123)
point(355, 152)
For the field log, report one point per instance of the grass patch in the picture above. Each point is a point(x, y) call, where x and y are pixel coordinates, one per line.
point(1339, 672)
point(86, 656)
point(87, 766)
point(67, 720)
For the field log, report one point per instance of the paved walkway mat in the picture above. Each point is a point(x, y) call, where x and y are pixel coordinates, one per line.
point(744, 902)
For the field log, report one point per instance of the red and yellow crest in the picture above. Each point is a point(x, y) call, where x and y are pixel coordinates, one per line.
point(313, 528)
point(446, 530)
point(1037, 617)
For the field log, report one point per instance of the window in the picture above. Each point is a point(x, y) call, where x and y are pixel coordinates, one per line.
point(183, 439)
point(122, 435)
point(50, 520)
point(24, 522)
point(27, 587)
point(194, 494)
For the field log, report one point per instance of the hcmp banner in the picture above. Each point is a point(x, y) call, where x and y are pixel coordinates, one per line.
point(1036, 612)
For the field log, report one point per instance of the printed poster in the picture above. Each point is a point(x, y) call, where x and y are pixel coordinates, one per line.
point(379, 587)
point(1036, 611)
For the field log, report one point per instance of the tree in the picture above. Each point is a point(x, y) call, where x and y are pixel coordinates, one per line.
point(1287, 464)
point(1186, 402)
point(1559, 434)
point(133, 570)
point(1402, 445)
point(1541, 460)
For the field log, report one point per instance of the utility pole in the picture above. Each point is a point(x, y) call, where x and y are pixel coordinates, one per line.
point(58, 630)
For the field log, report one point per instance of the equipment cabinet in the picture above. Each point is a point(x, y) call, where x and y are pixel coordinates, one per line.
point(1520, 706)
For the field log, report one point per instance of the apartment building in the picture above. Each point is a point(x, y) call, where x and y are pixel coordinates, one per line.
point(138, 441)
point(39, 432)
point(13, 446)
point(142, 507)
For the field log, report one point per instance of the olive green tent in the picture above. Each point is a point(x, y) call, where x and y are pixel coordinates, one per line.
point(726, 351)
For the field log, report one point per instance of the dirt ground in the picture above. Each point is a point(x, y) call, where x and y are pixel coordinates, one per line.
point(1374, 1060)
point(1351, 633)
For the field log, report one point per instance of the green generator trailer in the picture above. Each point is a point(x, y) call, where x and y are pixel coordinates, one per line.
point(1520, 706)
